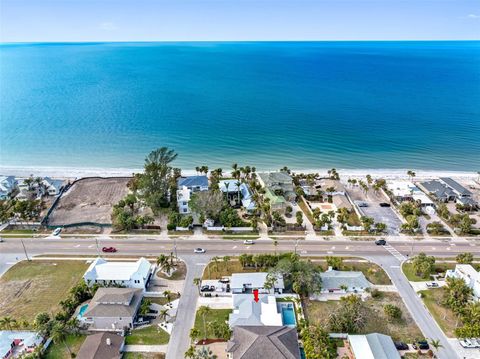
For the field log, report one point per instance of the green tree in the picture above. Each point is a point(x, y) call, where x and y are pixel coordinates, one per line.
point(392, 312)
point(349, 317)
point(367, 222)
point(207, 204)
point(204, 311)
point(456, 295)
point(423, 265)
point(334, 262)
point(464, 258)
point(59, 335)
point(317, 344)
point(299, 217)
point(197, 282)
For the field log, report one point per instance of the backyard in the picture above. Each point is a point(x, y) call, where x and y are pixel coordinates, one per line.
point(151, 335)
point(403, 329)
point(29, 288)
point(60, 351)
point(214, 316)
point(410, 272)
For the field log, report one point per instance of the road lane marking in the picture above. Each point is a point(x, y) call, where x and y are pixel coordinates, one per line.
point(333, 247)
point(78, 245)
point(394, 252)
point(329, 252)
point(234, 247)
point(347, 247)
point(448, 248)
point(90, 246)
point(394, 266)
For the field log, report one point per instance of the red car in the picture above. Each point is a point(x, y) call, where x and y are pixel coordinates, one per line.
point(109, 249)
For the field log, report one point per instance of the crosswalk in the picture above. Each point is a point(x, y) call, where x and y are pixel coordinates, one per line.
point(394, 252)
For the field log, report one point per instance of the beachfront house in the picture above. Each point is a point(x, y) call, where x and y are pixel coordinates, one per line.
point(342, 282)
point(247, 282)
point(52, 187)
point(403, 191)
point(253, 342)
point(446, 190)
point(470, 276)
point(17, 343)
point(372, 346)
point(8, 185)
point(102, 346)
point(112, 309)
point(246, 311)
point(279, 184)
point(186, 186)
point(232, 188)
point(126, 274)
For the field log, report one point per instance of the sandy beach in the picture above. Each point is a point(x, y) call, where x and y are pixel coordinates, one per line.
point(73, 173)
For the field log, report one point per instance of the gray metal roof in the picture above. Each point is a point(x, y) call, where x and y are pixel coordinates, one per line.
point(334, 279)
point(373, 346)
point(114, 302)
point(254, 342)
point(456, 186)
point(438, 189)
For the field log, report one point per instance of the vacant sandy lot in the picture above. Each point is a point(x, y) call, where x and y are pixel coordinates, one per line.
point(89, 200)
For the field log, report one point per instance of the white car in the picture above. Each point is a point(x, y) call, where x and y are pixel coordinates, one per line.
point(248, 241)
point(199, 250)
point(57, 231)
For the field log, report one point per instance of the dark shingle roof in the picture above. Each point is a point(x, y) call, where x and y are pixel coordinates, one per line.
point(95, 347)
point(193, 181)
point(259, 342)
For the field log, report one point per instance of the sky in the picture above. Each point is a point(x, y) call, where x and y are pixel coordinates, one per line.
point(237, 20)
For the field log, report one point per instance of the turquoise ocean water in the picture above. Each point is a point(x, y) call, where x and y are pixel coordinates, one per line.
point(304, 105)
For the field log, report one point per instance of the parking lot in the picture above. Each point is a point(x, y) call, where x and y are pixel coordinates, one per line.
point(379, 214)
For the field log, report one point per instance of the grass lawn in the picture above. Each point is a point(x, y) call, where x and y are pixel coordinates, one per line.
point(405, 329)
point(444, 316)
point(19, 231)
point(29, 288)
point(217, 271)
point(216, 315)
point(163, 300)
point(151, 335)
point(59, 351)
point(411, 276)
point(179, 273)
point(303, 206)
point(131, 355)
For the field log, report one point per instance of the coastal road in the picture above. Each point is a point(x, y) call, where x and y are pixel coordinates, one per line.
point(389, 257)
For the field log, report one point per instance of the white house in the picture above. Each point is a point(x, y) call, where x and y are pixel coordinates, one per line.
point(7, 186)
point(231, 187)
point(185, 187)
point(469, 275)
point(51, 186)
point(343, 282)
point(248, 312)
point(407, 191)
point(17, 343)
point(247, 282)
point(126, 274)
point(372, 346)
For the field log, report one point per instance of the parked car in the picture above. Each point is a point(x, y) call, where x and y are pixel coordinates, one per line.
point(432, 285)
point(248, 241)
point(361, 204)
point(384, 204)
point(470, 343)
point(199, 250)
point(109, 249)
point(380, 242)
point(57, 231)
point(421, 344)
point(401, 345)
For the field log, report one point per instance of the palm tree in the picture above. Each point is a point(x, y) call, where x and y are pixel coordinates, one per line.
point(163, 315)
point(238, 190)
point(167, 294)
point(411, 174)
point(7, 322)
point(226, 259)
point(204, 311)
point(227, 184)
point(436, 344)
point(190, 353)
point(197, 281)
point(59, 334)
point(215, 260)
point(194, 333)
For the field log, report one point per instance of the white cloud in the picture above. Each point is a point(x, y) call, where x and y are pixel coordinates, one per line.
point(108, 26)
point(473, 16)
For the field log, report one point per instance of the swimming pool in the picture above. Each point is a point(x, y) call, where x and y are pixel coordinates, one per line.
point(82, 310)
point(288, 314)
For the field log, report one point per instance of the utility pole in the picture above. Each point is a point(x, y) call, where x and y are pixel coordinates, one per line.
point(98, 249)
point(25, 250)
point(175, 247)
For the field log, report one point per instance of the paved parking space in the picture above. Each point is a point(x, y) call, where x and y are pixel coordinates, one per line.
point(465, 353)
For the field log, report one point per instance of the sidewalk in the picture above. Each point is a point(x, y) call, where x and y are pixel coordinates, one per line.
point(146, 348)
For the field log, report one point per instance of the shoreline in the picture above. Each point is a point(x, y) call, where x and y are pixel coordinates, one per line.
point(80, 172)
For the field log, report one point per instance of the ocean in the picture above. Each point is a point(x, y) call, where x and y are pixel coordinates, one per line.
point(305, 105)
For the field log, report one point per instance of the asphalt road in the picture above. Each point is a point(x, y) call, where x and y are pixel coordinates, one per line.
point(389, 257)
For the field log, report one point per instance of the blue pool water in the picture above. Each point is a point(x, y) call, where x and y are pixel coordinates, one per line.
point(306, 105)
point(288, 314)
point(83, 309)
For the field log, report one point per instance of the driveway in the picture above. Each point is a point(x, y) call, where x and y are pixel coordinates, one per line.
point(180, 338)
point(419, 312)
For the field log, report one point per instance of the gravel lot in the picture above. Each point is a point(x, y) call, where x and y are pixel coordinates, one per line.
point(89, 200)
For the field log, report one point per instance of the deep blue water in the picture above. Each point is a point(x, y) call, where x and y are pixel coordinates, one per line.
point(304, 105)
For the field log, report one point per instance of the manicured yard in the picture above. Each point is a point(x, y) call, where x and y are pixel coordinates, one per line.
point(29, 288)
point(221, 269)
point(404, 329)
point(59, 350)
point(163, 300)
point(410, 272)
point(215, 315)
point(131, 355)
point(151, 335)
point(444, 316)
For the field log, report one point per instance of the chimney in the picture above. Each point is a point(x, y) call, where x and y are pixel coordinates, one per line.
point(108, 341)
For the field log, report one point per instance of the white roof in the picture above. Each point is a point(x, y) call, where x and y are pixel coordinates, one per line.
point(183, 194)
point(255, 280)
point(100, 269)
point(373, 346)
point(232, 185)
point(467, 269)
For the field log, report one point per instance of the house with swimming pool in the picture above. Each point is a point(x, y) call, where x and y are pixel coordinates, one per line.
point(126, 274)
point(111, 309)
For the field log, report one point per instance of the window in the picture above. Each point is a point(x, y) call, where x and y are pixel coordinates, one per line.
point(185, 210)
